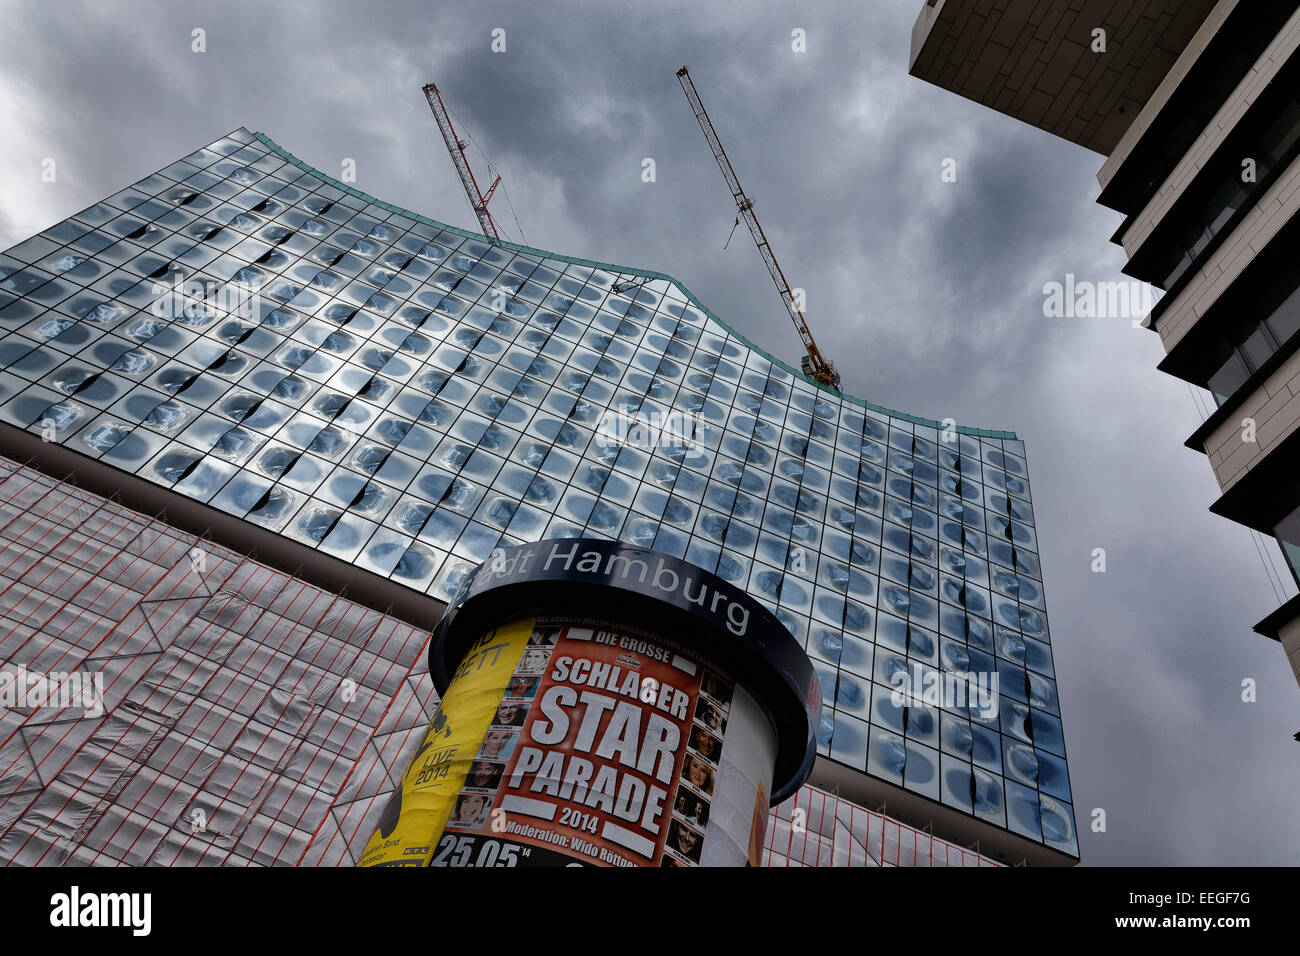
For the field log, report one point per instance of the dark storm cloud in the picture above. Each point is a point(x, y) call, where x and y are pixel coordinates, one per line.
point(928, 294)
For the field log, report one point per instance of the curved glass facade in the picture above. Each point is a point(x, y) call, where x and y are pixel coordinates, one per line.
point(245, 331)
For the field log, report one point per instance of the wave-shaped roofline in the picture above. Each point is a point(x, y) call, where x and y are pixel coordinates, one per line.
point(620, 270)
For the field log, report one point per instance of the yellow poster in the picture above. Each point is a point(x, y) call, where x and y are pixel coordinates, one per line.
point(419, 808)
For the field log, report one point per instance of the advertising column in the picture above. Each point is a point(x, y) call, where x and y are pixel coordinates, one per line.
point(605, 706)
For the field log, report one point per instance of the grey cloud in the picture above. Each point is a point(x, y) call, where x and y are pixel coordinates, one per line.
point(927, 294)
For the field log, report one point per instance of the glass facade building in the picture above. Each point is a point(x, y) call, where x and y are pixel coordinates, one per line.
point(242, 331)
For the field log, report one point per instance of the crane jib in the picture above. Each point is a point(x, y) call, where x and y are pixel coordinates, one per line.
point(814, 365)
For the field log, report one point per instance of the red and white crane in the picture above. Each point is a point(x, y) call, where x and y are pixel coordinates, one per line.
point(456, 146)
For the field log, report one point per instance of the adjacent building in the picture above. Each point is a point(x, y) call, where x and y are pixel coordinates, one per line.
point(260, 427)
point(1194, 104)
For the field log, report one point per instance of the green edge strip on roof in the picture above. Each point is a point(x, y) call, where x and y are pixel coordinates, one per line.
point(622, 270)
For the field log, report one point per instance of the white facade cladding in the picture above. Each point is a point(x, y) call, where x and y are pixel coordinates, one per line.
point(245, 333)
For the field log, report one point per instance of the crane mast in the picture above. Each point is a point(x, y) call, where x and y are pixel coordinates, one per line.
point(456, 147)
point(814, 364)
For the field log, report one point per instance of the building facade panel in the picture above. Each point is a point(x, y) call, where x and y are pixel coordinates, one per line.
point(1068, 90)
point(169, 700)
point(1274, 408)
point(1249, 238)
point(1290, 639)
point(1160, 96)
point(1212, 138)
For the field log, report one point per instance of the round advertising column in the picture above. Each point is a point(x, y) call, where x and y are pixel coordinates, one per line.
point(602, 705)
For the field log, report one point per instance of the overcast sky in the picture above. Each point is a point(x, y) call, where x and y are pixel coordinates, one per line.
point(927, 294)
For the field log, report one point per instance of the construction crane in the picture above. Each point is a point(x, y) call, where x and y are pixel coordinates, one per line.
point(813, 364)
point(456, 146)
